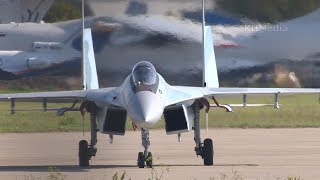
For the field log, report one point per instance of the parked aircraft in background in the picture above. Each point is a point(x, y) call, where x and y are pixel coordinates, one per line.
point(157, 38)
point(45, 56)
point(29, 49)
point(258, 44)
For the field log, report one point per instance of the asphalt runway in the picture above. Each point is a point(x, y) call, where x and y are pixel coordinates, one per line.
point(239, 153)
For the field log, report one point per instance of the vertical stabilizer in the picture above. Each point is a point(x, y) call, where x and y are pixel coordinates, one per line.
point(90, 77)
point(210, 67)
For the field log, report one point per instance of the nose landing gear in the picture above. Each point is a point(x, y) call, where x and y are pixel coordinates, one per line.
point(145, 158)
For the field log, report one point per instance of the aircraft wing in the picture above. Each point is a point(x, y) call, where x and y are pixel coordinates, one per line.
point(105, 95)
point(230, 91)
point(40, 95)
point(179, 94)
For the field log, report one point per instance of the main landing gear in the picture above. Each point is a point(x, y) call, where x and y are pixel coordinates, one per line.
point(145, 158)
point(205, 149)
point(87, 151)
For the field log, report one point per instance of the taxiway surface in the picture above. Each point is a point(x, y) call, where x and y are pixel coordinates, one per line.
point(239, 153)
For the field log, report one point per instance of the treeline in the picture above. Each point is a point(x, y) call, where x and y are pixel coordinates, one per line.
point(63, 10)
point(269, 10)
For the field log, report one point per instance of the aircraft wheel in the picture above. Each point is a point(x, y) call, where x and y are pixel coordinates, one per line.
point(207, 152)
point(140, 160)
point(83, 153)
point(149, 160)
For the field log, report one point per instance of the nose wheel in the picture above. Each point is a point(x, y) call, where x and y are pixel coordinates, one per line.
point(149, 160)
point(140, 160)
point(145, 160)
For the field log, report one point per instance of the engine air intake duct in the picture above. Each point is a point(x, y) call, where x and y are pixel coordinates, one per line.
point(115, 121)
point(178, 119)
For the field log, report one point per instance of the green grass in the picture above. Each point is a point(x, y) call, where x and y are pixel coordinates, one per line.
point(38, 121)
point(295, 111)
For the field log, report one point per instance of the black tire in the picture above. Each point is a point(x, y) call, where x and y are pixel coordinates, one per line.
point(140, 160)
point(149, 162)
point(83, 153)
point(207, 152)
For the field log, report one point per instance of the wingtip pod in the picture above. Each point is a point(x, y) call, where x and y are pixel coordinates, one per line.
point(210, 67)
point(90, 77)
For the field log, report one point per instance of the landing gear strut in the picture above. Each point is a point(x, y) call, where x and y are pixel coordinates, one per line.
point(87, 151)
point(205, 149)
point(145, 158)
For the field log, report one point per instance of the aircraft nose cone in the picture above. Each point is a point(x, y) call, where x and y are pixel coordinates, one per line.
point(148, 109)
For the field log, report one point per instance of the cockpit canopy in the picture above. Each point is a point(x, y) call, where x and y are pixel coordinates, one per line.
point(144, 73)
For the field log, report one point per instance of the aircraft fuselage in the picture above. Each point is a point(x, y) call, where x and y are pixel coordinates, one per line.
point(142, 94)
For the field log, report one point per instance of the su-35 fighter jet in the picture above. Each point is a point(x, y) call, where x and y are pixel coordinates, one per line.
point(145, 96)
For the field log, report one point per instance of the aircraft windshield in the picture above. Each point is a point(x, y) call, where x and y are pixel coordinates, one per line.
point(144, 74)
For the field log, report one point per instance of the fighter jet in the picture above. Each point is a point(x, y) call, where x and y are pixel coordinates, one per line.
point(145, 97)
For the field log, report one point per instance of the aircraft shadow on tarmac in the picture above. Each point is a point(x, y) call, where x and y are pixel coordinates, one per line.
point(218, 165)
point(64, 168)
point(76, 168)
